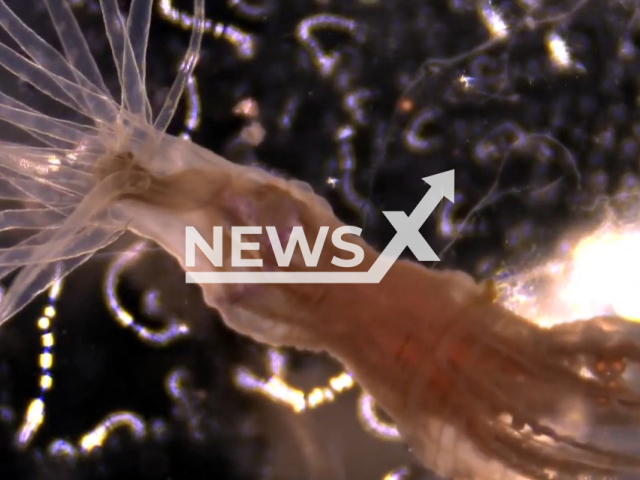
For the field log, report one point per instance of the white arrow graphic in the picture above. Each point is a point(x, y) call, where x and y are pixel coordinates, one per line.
point(408, 228)
point(408, 235)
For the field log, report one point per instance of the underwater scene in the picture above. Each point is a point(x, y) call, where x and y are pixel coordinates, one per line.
point(493, 147)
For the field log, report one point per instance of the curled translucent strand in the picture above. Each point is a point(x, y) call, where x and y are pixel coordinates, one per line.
point(186, 69)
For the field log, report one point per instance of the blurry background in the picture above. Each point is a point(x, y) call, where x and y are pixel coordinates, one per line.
point(534, 104)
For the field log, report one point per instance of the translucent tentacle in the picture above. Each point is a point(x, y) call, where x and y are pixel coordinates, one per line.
point(29, 218)
point(138, 24)
point(87, 240)
point(10, 192)
point(71, 94)
point(40, 192)
point(47, 180)
point(40, 278)
point(30, 246)
point(97, 200)
point(75, 46)
point(37, 76)
point(186, 69)
point(133, 92)
point(35, 122)
point(51, 60)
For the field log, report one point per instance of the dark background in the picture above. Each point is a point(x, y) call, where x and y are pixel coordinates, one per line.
point(538, 150)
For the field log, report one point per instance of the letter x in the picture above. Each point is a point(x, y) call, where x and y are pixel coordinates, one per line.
point(408, 235)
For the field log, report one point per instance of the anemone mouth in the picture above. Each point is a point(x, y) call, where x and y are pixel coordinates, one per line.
point(139, 178)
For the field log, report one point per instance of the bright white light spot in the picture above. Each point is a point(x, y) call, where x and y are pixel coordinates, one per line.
point(600, 275)
point(558, 50)
point(494, 22)
point(606, 275)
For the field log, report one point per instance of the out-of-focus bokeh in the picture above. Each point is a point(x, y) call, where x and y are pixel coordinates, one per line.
point(120, 371)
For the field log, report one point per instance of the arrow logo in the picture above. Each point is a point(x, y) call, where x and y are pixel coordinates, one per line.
point(407, 235)
point(408, 228)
